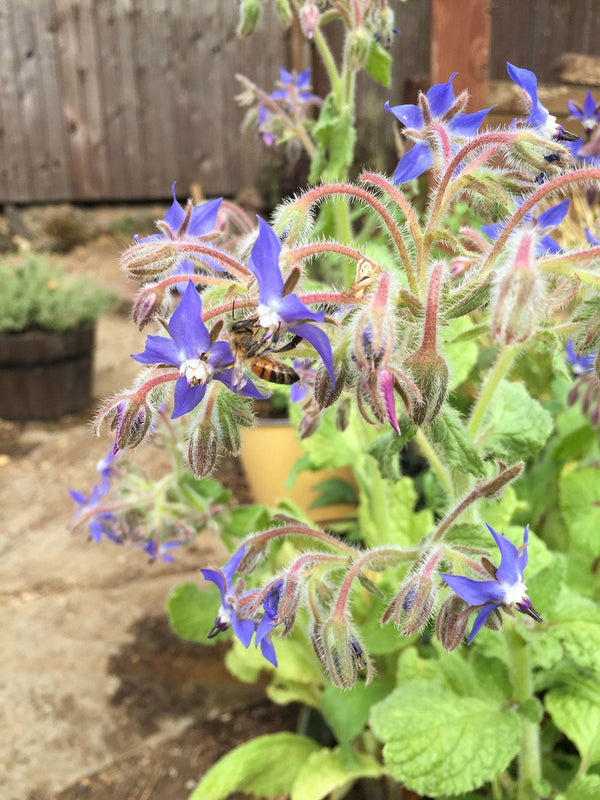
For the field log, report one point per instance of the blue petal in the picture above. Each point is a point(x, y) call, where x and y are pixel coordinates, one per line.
point(268, 651)
point(553, 216)
point(159, 350)
point(220, 355)
point(303, 78)
point(279, 94)
point(589, 106)
point(527, 80)
point(481, 618)
point(547, 245)
point(186, 397)
point(285, 76)
point(184, 268)
point(574, 111)
point(523, 557)
point(248, 388)
point(264, 263)
point(265, 626)
point(204, 218)
point(493, 231)
point(231, 566)
point(508, 571)
point(243, 629)
point(320, 341)
point(410, 115)
point(79, 497)
point(189, 333)
point(441, 98)
point(175, 215)
point(473, 592)
point(217, 577)
point(591, 238)
point(414, 163)
point(292, 309)
point(467, 124)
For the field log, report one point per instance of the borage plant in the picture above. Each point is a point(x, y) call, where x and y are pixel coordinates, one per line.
point(438, 345)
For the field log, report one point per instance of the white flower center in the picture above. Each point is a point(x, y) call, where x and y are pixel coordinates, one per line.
point(224, 616)
point(268, 317)
point(550, 127)
point(513, 592)
point(195, 370)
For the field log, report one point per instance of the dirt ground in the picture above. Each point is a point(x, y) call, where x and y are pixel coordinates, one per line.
point(99, 698)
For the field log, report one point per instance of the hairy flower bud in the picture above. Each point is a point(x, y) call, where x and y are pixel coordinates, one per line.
point(358, 46)
point(430, 375)
point(149, 260)
point(131, 424)
point(284, 13)
point(145, 306)
point(451, 623)
point(341, 653)
point(518, 293)
point(309, 18)
point(415, 601)
point(203, 450)
point(250, 11)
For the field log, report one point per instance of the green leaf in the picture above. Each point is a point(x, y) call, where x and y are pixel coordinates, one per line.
point(580, 506)
point(386, 513)
point(456, 744)
point(379, 64)
point(335, 136)
point(265, 766)
point(346, 711)
point(449, 432)
point(333, 490)
point(515, 426)
point(192, 613)
point(386, 448)
point(584, 787)
point(329, 770)
point(459, 350)
point(575, 710)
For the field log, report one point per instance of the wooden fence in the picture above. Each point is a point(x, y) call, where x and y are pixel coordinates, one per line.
point(105, 100)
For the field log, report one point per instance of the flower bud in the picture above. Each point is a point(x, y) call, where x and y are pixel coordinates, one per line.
point(430, 375)
point(358, 46)
point(342, 654)
point(149, 260)
point(250, 11)
point(145, 306)
point(309, 18)
point(131, 423)
point(203, 450)
point(518, 293)
point(413, 604)
point(284, 13)
point(451, 623)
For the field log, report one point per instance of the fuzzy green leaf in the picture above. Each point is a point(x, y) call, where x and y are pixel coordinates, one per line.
point(386, 448)
point(346, 711)
point(386, 513)
point(515, 426)
point(584, 787)
point(456, 744)
point(576, 712)
point(379, 64)
point(265, 766)
point(449, 432)
point(580, 506)
point(192, 613)
point(335, 135)
point(459, 350)
point(327, 770)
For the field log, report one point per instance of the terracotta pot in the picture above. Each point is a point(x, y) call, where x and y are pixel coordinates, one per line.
point(45, 374)
point(269, 452)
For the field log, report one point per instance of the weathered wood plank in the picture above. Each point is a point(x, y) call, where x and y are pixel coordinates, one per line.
point(14, 153)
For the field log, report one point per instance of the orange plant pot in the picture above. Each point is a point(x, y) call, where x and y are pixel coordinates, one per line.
point(269, 452)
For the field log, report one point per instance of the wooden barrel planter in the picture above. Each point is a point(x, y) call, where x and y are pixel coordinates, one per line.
point(45, 374)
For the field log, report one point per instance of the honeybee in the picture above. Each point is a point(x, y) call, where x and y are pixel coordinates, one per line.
point(249, 345)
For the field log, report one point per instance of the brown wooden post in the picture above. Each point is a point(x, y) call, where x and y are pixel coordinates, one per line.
point(460, 41)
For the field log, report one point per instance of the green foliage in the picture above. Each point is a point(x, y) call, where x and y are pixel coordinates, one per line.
point(37, 295)
point(191, 613)
point(335, 137)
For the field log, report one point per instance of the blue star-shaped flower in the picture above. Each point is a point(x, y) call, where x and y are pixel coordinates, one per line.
point(300, 84)
point(506, 589)
point(201, 221)
point(226, 617)
point(539, 116)
point(440, 99)
point(545, 221)
point(190, 350)
point(101, 523)
point(588, 114)
point(276, 312)
point(580, 364)
point(267, 623)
